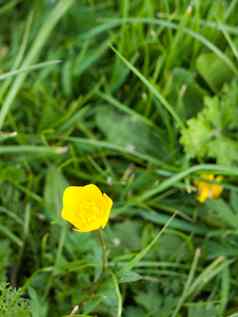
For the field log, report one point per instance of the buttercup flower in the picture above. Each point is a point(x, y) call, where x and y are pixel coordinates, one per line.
point(208, 187)
point(86, 207)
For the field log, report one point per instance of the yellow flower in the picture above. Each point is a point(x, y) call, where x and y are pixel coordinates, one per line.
point(208, 187)
point(86, 207)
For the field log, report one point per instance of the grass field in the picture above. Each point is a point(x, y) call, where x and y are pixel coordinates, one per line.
point(140, 98)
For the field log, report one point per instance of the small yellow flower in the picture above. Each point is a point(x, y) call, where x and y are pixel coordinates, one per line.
point(208, 187)
point(86, 207)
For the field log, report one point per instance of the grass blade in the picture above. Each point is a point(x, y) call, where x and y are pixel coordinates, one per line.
point(152, 89)
point(31, 149)
point(33, 54)
point(131, 264)
point(197, 168)
point(28, 69)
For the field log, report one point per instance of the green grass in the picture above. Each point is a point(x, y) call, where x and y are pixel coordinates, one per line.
point(140, 98)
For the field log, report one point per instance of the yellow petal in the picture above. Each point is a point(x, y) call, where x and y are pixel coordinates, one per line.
point(106, 209)
point(216, 191)
point(74, 196)
point(86, 207)
point(203, 192)
point(91, 191)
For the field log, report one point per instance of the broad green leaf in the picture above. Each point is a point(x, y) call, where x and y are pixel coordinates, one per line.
point(213, 70)
point(39, 306)
point(202, 309)
point(129, 132)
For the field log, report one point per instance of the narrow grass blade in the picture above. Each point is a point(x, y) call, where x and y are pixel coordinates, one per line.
point(212, 270)
point(230, 9)
point(118, 293)
point(225, 289)
point(131, 264)
point(19, 56)
point(188, 282)
point(123, 150)
point(50, 22)
point(113, 23)
point(11, 236)
point(7, 135)
point(28, 69)
point(117, 104)
point(230, 42)
point(11, 215)
point(178, 224)
point(197, 168)
point(152, 89)
point(31, 149)
point(8, 6)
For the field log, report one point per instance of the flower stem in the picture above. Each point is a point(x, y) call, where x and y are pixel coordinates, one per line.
point(104, 249)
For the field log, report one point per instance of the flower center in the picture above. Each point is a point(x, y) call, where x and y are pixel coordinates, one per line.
point(88, 212)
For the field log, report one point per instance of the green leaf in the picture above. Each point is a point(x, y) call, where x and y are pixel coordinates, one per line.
point(153, 301)
point(212, 134)
point(195, 138)
point(38, 305)
point(132, 311)
point(202, 309)
point(219, 148)
point(12, 304)
point(222, 247)
point(213, 70)
point(105, 300)
point(129, 277)
point(128, 132)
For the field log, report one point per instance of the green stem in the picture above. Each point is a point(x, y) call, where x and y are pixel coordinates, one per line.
point(104, 249)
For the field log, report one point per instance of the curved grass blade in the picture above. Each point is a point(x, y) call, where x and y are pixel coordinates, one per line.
point(233, 171)
point(124, 150)
point(152, 89)
point(28, 69)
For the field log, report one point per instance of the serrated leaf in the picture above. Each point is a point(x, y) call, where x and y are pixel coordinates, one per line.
point(212, 134)
point(195, 137)
point(219, 148)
